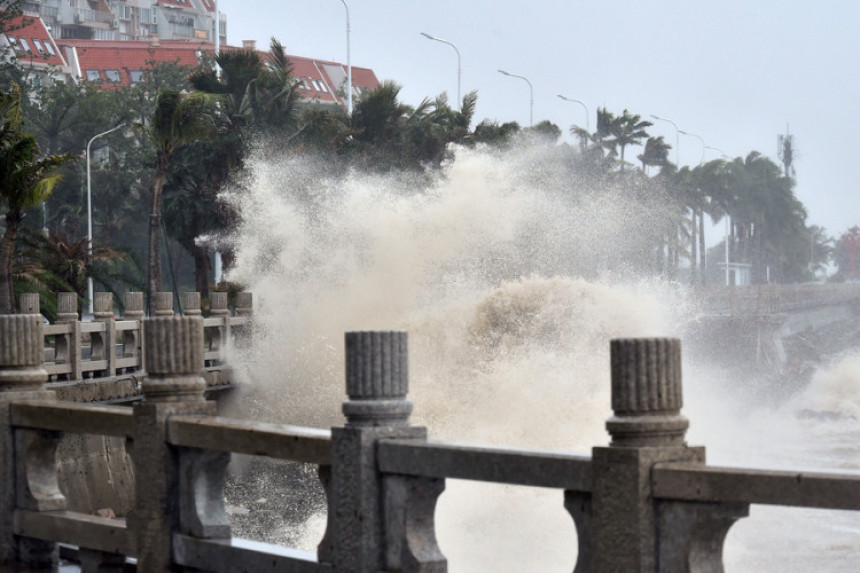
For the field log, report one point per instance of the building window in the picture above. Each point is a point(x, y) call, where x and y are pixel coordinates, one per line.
point(24, 44)
point(14, 43)
point(93, 76)
point(322, 87)
point(112, 76)
point(50, 48)
point(136, 76)
point(39, 46)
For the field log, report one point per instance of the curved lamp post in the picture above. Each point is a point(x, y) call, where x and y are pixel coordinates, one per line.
point(702, 160)
point(722, 153)
point(348, 64)
point(677, 139)
point(459, 67)
point(588, 129)
point(90, 212)
point(531, 94)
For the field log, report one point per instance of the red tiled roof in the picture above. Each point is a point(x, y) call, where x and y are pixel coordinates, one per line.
point(37, 46)
point(125, 56)
point(180, 3)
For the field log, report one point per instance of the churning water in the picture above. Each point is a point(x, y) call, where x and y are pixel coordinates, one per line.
point(511, 276)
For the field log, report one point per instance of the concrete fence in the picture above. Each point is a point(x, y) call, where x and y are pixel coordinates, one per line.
point(108, 349)
point(763, 300)
point(645, 502)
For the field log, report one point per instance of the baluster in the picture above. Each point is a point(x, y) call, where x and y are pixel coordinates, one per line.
point(28, 303)
point(28, 476)
point(218, 335)
point(192, 304)
point(164, 304)
point(68, 346)
point(103, 312)
point(242, 327)
point(244, 303)
point(378, 522)
point(646, 429)
point(174, 385)
point(132, 340)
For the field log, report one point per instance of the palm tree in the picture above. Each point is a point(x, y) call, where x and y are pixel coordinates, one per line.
point(178, 120)
point(54, 263)
point(656, 153)
point(627, 129)
point(26, 179)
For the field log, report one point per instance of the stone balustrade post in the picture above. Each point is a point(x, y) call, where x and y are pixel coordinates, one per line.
point(164, 304)
point(244, 310)
point(28, 303)
point(218, 336)
point(103, 312)
point(68, 346)
point(132, 340)
point(633, 531)
point(192, 304)
point(174, 385)
point(244, 303)
point(378, 522)
point(28, 478)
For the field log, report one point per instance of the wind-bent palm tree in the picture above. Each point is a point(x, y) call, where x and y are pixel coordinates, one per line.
point(656, 153)
point(627, 129)
point(26, 179)
point(178, 120)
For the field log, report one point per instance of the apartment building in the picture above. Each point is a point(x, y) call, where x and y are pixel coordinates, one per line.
point(129, 20)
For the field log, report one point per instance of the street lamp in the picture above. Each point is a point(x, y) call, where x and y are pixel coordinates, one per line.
point(722, 153)
point(90, 213)
point(348, 64)
point(677, 139)
point(531, 94)
point(700, 139)
point(459, 68)
point(584, 107)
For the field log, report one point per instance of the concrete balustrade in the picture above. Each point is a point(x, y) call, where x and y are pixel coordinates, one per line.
point(101, 360)
point(645, 502)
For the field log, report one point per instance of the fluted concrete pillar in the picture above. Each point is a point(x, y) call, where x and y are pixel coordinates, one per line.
point(372, 517)
point(192, 304)
point(27, 468)
point(174, 385)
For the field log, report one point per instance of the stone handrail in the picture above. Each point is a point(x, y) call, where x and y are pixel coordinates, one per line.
point(761, 300)
point(645, 502)
point(116, 344)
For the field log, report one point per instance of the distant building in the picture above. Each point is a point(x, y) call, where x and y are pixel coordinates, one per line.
point(114, 41)
point(121, 63)
point(129, 19)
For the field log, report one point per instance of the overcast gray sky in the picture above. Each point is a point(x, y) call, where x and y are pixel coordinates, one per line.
point(733, 72)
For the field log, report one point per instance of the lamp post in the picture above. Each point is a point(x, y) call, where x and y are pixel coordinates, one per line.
point(531, 94)
point(702, 160)
point(348, 64)
point(722, 153)
point(90, 212)
point(588, 129)
point(677, 139)
point(459, 67)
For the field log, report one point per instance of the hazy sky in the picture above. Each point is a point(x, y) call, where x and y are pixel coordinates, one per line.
point(734, 73)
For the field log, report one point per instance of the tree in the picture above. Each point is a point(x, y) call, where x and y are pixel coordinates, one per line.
point(655, 154)
point(26, 179)
point(179, 119)
point(626, 129)
point(54, 263)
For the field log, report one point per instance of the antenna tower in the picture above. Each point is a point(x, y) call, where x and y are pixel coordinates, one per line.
point(785, 151)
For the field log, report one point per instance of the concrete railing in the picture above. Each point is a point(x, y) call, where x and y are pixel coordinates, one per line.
point(760, 300)
point(108, 348)
point(645, 502)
